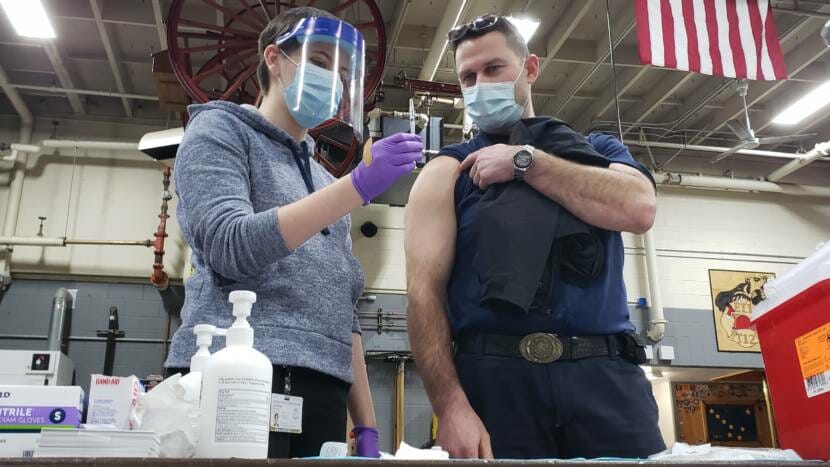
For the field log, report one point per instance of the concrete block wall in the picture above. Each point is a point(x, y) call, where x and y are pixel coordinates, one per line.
point(26, 308)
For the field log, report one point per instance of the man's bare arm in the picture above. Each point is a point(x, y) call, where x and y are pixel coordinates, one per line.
point(617, 198)
point(430, 250)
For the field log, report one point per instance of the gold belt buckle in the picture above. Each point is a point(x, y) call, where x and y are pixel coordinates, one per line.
point(541, 348)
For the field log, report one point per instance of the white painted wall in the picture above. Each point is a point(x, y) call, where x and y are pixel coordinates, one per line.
point(113, 195)
point(662, 389)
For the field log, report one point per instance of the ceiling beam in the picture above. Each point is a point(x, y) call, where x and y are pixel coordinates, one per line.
point(139, 24)
point(397, 26)
point(802, 12)
point(576, 80)
point(628, 78)
point(143, 61)
point(116, 71)
point(452, 16)
point(810, 49)
point(63, 76)
point(563, 29)
point(159, 24)
point(15, 98)
point(76, 92)
point(657, 96)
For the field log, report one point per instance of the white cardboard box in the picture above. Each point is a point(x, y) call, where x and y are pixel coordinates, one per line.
point(16, 445)
point(111, 398)
point(29, 408)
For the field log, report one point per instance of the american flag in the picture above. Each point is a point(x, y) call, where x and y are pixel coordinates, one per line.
point(731, 38)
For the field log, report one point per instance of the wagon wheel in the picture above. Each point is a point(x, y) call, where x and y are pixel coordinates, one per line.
point(218, 39)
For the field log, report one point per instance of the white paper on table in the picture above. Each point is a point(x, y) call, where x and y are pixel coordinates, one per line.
point(407, 452)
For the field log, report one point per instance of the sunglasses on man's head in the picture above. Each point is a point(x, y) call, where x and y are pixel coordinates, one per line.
point(482, 23)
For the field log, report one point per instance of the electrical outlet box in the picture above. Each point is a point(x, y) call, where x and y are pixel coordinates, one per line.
point(649, 352)
point(666, 352)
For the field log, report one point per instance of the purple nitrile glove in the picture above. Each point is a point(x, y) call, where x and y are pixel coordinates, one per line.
point(366, 442)
point(392, 158)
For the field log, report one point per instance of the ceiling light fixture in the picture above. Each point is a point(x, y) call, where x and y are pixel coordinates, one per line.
point(527, 27)
point(28, 18)
point(806, 106)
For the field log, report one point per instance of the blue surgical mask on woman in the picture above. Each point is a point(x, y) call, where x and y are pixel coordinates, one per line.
point(311, 106)
point(493, 106)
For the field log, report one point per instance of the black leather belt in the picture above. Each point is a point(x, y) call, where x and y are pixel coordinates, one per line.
point(542, 347)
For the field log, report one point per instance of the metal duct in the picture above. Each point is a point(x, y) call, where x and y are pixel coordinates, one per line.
point(60, 322)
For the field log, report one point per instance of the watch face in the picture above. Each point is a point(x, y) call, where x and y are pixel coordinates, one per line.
point(523, 159)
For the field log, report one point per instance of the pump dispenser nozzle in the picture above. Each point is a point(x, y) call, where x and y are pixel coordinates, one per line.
point(204, 338)
point(241, 333)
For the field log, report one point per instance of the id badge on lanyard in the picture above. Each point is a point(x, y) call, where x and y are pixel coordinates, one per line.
point(286, 410)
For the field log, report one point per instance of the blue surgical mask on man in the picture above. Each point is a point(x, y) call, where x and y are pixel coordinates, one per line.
point(311, 105)
point(493, 106)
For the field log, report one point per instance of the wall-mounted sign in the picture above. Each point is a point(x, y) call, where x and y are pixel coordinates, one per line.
point(734, 294)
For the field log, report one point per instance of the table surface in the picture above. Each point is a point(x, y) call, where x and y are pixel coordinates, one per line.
point(108, 462)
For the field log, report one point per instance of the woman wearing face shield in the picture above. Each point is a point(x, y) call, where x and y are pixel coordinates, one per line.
point(260, 215)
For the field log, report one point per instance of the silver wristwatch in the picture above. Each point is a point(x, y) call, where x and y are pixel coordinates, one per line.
point(522, 161)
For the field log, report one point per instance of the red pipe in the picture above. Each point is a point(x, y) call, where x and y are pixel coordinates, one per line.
point(159, 277)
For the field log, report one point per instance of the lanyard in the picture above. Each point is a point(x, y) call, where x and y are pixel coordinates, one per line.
point(304, 164)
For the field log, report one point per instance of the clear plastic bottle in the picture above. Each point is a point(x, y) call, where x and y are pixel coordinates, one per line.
point(236, 393)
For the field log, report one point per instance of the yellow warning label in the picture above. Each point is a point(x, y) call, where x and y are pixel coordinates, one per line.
point(814, 351)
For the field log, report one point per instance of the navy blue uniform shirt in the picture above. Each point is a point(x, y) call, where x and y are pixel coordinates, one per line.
point(600, 308)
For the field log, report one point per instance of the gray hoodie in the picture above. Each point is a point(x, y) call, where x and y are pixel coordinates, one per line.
point(233, 170)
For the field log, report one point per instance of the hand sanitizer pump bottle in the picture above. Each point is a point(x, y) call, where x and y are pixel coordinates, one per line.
point(236, 392)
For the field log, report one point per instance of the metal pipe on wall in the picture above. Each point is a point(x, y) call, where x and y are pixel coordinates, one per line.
point(16, 187)
point(61, 321)
point(820, 150)
point(21, 147)
point(70, 144)
point(13, 201)
point(33, 241)
point(400, 382)
point(144, 243)
point(39, 337)
point(61, 241)
point(656, 320)
point(711, 149)
point(737, 184)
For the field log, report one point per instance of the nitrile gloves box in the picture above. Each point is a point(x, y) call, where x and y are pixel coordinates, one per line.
point(17, 445)
point(30, 408)
point(111, 398)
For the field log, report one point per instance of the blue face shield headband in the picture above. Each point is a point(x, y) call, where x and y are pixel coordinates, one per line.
point(328, 82)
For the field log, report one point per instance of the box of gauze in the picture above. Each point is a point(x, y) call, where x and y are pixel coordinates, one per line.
point(111, 398)
point(30, 408)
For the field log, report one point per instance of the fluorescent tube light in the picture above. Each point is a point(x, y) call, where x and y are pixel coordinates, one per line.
point(28, 18)
point(806, 106)
point(527, 27)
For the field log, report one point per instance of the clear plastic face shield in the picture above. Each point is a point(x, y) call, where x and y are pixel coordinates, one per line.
point(328, 82)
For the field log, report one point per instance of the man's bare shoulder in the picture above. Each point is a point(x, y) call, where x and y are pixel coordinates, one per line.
point(441, 170)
